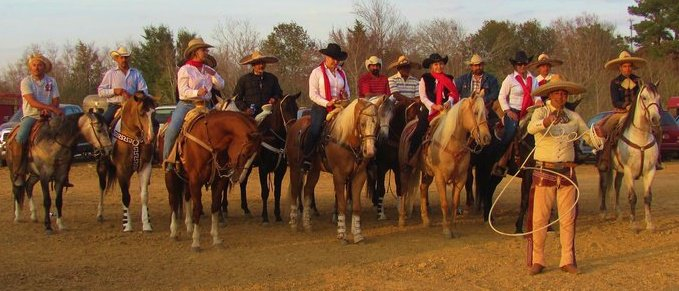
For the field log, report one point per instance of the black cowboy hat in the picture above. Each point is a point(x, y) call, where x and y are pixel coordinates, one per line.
point(520, 58)
point(334, 51)
point(434, 58)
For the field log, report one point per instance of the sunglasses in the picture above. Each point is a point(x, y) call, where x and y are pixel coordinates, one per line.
point(521, 64)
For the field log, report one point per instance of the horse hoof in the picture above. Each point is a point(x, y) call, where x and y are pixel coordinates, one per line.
point(147, 228)
point(650, 227)
point(49, 231)
point(426, 223)
point(265, 223)
point(174, 237)
point(100, 218)
point(308, 229)
point(316, 213)
point(17, 220)
point(343, 242)
point(218, 242)
point(222, 224)
point(34, 219)
point(381, 217)
point(447, 233)
point(359, 239)
point(195, 249)
point(279, 219)
point(127, 229)
point(401, 223)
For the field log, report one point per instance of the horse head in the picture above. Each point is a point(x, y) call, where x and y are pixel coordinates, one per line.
point(385, 113)
point(366, 127)
point(474, 118)
point(648, 102)
point(136, 115)
point(93, 128)
point(287, 108)
point(246, 156)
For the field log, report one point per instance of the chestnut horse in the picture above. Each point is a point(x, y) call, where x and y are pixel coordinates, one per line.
point(347, 145)
point(445, 156)
point(219, 144)
point(133, 138)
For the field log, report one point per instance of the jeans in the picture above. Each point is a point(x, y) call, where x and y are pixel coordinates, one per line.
point(24, 131)
point(110, 112)
point(176, 122)
point(510, 129)
point(318, 115)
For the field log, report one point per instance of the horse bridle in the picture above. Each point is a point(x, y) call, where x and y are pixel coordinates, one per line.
point(365, 138)
point(93, 122)
point(647, 112)
point(472, 143)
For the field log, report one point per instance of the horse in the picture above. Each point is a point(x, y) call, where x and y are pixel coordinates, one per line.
point(51, 157)
point(445, 156)
point(634, 156)
point(393, 117)
point(218, 144)
point(132, 152)
point(346, 147)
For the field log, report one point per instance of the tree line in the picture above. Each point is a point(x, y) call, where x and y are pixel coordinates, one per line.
point(584, 43)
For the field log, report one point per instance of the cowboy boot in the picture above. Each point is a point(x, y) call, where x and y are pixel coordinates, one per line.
point(18, 152)
point(500, 168)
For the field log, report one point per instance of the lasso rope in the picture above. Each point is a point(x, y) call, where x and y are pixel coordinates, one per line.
point(598, 144)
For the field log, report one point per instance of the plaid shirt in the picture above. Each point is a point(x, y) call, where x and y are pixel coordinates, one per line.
point(476, 83)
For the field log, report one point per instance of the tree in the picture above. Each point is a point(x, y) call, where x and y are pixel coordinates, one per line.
point(496, 41)
point(356, 42)
point(235, 39)
point(84, 74)
point(155, 58)
point(659, 31)
point(443, 36)
point(385, 26)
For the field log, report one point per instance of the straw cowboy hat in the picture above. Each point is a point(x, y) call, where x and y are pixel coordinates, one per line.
point(121, 51)
point(404, 61)
point(520, 58)
point(558, 83)
point(39, 57)
point(544, 59)
point(258, 57)
point(194, 44)
point(372, 60)
point(434, 58)
point(475, 60)
point(334, 51)
point(625, 57)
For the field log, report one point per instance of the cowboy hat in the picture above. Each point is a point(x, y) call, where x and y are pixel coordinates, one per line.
point(434, 58)
point(625, 57)
point(194, 44)
point(558, 83)
point(475, 60)
point(121, 51)
point(258, 57)
point(520, 58)
point(403, 61)
point(373, 60)
point(544, 59)
point(334, 51)
point(41, 58)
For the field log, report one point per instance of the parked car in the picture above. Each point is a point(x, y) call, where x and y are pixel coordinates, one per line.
point(163, 113)
point(82, 149)
point(669, 147)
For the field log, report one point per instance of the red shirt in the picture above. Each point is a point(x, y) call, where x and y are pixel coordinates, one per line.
point(369, 84)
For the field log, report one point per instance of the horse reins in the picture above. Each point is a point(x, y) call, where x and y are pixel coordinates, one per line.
point(642, 149)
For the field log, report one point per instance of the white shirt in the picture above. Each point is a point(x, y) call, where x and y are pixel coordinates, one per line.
point(317, 86)
point(190, 80)
point(43, 91)
point(132, 82)
point(511, 92)
point(539, 78)
point(425, 100)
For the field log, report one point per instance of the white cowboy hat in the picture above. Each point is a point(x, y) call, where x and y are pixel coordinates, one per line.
point(373, 60)
point(625, 57)
point(258, 57)
point(475, 60)
point(544, 59)
point(558, 83)
point(193, 45)
point(41, 58)
point(121, 51)
point(404, 61)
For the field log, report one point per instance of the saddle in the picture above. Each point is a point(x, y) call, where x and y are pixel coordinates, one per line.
point(191, 118)
point(34, 133)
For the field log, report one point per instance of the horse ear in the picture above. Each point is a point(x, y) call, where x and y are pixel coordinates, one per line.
point(656, 83)
point(91, 110)
point(254, 135)
point(295, 96)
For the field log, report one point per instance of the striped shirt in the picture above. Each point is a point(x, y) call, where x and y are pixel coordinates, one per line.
point(369, 84)
point(408, 87)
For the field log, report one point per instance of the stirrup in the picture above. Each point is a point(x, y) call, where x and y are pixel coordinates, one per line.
point(306, 165)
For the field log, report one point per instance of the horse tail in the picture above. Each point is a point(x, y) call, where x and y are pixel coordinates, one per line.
point(111, 175)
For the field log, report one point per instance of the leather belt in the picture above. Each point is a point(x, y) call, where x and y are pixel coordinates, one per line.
point(555, 166)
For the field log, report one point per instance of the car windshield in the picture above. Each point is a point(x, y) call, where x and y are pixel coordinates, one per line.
point(666, 119)
point(163, 114)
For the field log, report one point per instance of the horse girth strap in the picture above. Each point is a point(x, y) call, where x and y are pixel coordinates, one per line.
point(641, 149)
point(199, 142)
point(135, 143)
point(357, 154)
point(279, 152)
point(456, 154)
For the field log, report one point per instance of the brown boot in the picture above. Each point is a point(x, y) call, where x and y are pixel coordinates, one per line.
point(500, 168)
point(18, 153)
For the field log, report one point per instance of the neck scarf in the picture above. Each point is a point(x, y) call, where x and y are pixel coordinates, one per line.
point(196, 64)
point(443, 82)
point(328, 95)
point(527, 87)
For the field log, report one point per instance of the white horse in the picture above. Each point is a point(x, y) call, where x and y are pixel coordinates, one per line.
point(635, 155)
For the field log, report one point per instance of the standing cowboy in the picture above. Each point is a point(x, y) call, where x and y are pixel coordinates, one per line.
point(403, 85)
point(327, 85)
point(40, 98)
point(195, 81)
point(476, 80)
point(553, 126)
point(624, 91)
point(120, 83)
point(373, 83)
point(258, 87)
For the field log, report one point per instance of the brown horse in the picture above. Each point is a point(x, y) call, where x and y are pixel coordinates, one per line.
point(219, 144)
point(347, 145)
point(132, 152)
point(445, 156)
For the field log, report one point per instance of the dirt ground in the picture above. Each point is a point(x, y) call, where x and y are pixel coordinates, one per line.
point(93, 255)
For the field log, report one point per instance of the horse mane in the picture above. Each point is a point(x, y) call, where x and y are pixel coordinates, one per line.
point(60, 126)
point(448, 123)
point(345, 122)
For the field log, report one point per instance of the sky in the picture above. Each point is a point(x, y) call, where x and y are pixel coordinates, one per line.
point(110, 23)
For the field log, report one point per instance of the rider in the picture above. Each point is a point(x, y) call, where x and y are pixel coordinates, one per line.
point(120, 83)
point(437, 91)
point(476, 80)
point(41, 98)
point(327, 84)
point(544, 66)
point(257, 87)
point(373, 83)
point(403, 85)
point(195, 81)
point(624, 91)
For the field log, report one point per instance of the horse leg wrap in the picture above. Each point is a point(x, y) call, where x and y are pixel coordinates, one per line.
point(195, 246)
point(341, 227)
point(173, 226)
point(356, 228)
point(17, 212)
point(215, 229)
point(293, 216)
point(31, 206)
point(146, 219)
point(306, 218)
point(127, 221)
point(380, 209)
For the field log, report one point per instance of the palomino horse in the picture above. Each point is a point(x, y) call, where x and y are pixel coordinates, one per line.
point(445, 156)
point(635, 155)
point(52, 154)
point(218, 144)
point(132, 152)
point(347, 145)
point(393, 117)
